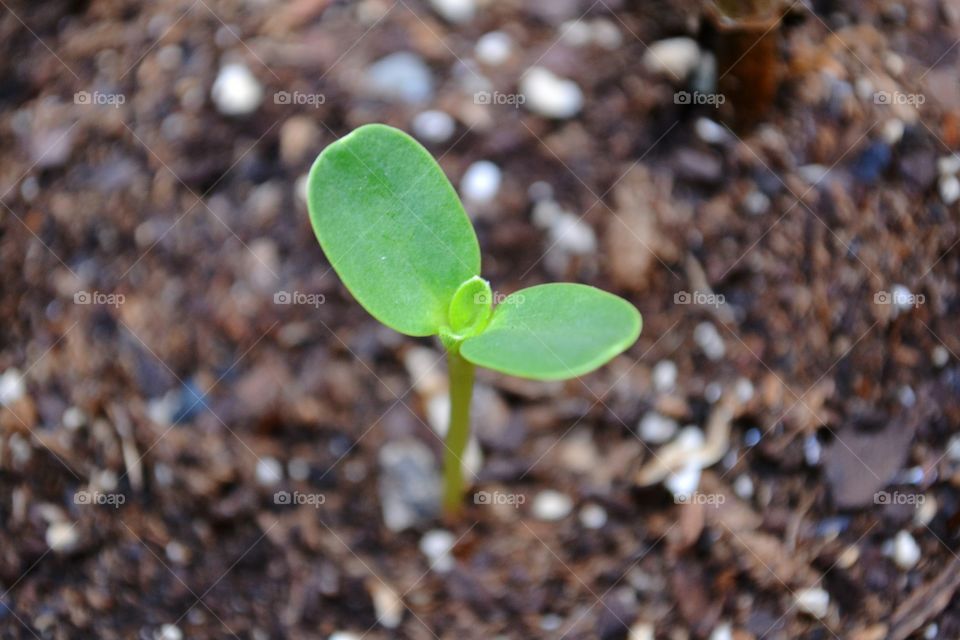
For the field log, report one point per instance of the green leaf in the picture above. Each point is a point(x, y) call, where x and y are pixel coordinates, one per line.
point(392, 227)
point(554, 331)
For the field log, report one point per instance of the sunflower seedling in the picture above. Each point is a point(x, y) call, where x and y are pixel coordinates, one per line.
point(393, 228)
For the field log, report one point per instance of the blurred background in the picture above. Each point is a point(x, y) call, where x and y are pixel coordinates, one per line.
point(203, 436)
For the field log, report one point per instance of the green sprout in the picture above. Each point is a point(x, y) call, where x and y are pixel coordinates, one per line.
point(393, 228)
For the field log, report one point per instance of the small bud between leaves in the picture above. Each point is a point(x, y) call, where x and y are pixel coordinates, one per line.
point(470, 308)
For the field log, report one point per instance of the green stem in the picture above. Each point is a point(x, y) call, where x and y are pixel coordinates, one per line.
point(461, 389)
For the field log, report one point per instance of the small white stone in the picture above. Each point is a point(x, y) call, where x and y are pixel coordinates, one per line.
point(812, 450)
point(953, 448)
point(902, 297)
point(926, 510)
point(73, 418)
point(170, 57)
point(262, 261)
point(665, 376)
point(105, 480)
point(551, 622)
point(344, 635)
point(690, 439)
point(299, 469)
point(456, 11)
point(593, 516)
point(433, 126)
point(402, 77)
point(546, 212)
point(813, 173)
point(713, 392)
point(170, 632)
point(576, 33)
point(864, 88)
point(906, 551)
point(815, 602)
point(948, 165)
point(892, 131)
point(642, 631)
point(299, 139)
point(269, 472)
point(163, 474)
point(744, 390)
point(436, 545)
point(673, 57)
point(578, 452)
point(12, 387)
point(386, 604)
point(743, 487)
point(894, 63)
point(723, 631)
point(300, 187)
point(177, 552)
point(494, 48)
point(756, 203)
point(656, 428)
point(236, 91)
point(709, 340)
point(711, 132)
point(606, 34)
point(730, 459)
point(910, 475)
point(468, 76)
point(569, 233)
point(20, 449)
point(62, 536)
point(481, 182)
point(949, 188)
point(551, 505)
point(683, 483)
point(907, 396)
point(931, 632)
point(540, 191)
point(550, 95)
point(30, 188)
point(940, 356)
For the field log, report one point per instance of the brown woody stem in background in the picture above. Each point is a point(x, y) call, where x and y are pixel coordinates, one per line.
point(748, 57)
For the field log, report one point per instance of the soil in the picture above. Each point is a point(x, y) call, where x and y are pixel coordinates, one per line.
point(171, 396)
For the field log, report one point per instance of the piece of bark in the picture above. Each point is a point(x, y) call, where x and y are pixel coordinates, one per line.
point(637, 235)
point(925, 602)
point(858, 465)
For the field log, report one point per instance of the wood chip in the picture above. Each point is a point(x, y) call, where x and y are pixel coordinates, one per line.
point(925, 602)
point(674, 456)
